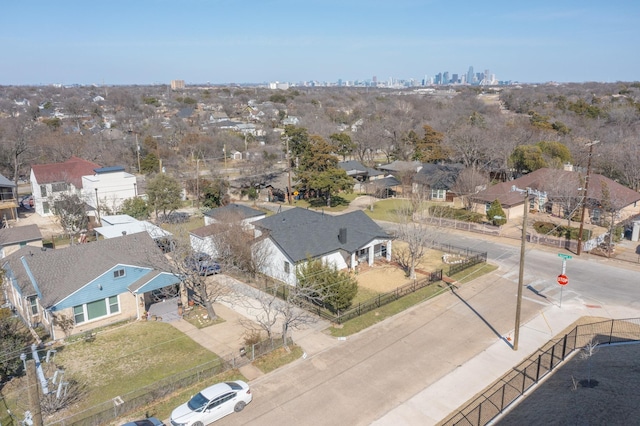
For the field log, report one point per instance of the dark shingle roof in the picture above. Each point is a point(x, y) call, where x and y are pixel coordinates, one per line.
point(302, 233)
point(60, 272)
point(237, 210)
point(438, 176)
point(19, 234)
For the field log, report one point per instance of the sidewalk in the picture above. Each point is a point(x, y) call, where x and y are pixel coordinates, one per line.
point(429, 407)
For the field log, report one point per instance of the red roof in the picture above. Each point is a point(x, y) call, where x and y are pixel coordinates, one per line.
point(71, 171)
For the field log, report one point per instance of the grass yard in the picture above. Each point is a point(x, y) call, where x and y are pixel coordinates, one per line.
point(142, 352)
point(278, 358)
point(370, 318)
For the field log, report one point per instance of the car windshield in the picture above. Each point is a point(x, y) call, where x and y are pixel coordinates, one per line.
point(198, 402)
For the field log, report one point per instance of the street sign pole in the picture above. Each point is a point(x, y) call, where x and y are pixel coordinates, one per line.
point(564, 269)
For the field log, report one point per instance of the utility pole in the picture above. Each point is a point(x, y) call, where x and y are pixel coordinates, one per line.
point(584, 196)
point(138, 152)
point(289, 194)
point(527, 192)
point(34, 393)
point(197, 183)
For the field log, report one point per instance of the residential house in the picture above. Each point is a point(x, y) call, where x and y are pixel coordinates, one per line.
point(108, 187)
point(114, 226)
point(89, 285)
point(370, 181)
point(436, 181)
point(289, 238)
point(48, 181)
point(203, 239)
point(403, 172)
point(101, 188)
point(560, 192)
point(11, 239)
point(8, 201)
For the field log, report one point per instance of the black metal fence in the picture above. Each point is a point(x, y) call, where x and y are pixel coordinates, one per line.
point(509, 388)
point(377, 301)
point(110, 410)
point(469, 257)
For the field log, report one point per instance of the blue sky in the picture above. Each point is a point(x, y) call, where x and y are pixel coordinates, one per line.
point(254, 41)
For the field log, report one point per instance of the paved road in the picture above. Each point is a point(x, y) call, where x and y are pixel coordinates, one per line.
point(371, 373)
point(374, 374)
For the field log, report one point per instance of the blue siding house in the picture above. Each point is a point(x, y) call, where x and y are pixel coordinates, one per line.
point(81, 287)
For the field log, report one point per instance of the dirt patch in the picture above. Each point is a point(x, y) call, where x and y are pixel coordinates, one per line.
point(48, 226)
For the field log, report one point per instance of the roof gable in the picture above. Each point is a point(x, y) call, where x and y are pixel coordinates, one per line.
point(302, 233)
point(234, 210)
point(70, 171)
point(60, 272)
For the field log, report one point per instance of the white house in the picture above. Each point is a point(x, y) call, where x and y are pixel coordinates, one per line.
point(202, 239)
point(291, 237)
point(108, 187)
point(102, 188)
point(48, 181)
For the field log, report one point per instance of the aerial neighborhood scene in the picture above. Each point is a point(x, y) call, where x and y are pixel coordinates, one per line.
point(252, 238)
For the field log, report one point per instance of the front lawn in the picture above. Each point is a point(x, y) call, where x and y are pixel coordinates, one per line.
point(129, 357)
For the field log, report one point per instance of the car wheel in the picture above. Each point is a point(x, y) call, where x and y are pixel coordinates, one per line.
point(239, 406)
point(197, 424)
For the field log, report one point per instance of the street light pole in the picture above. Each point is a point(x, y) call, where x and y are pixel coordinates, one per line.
point(584, 197)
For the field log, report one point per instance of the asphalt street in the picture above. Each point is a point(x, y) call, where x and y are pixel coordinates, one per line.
point(374, 375)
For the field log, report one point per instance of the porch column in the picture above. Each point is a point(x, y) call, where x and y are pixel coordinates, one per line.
point(353, 261)
point(389, 251)
point(370, 253)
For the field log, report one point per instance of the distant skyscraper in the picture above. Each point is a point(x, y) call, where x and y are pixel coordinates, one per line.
point(454, 79)
point(375, 80)
point(445, 77)
point(177, 84)
point(470, 76)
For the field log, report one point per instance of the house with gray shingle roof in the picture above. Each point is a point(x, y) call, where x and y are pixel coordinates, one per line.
point(203, 239)
point(291, 237)
point(11, 239)
point(91, 284)
point(436, 181)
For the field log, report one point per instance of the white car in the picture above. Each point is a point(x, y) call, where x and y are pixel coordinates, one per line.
point(212, 403)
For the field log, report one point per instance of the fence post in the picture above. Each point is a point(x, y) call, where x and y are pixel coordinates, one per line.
point(553, 351)
point(538, 368)
point(564, 346)
point(611, 332)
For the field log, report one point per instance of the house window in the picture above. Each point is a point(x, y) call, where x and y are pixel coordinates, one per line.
point(438, 194)
point(43, 190)
point(59, 187)
point(97, 309)
point(118, 273)
point(33, 305)
point(45, 207)
point(287, 267)
point(78, 314)
point(487, 206)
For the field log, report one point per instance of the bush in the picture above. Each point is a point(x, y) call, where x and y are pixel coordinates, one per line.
point(571, 233)
point(457, 214)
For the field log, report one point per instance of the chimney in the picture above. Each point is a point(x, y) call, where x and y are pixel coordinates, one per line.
point(342, 235)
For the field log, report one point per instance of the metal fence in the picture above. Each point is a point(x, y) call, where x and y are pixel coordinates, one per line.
point(110, 410)
point(375, 302)
point(509, 388)
point(471, 257)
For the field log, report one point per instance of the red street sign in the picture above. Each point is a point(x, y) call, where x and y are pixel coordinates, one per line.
point(563, 279)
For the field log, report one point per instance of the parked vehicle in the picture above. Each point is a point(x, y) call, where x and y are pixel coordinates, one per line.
point(149, 421)
point(212, 403)
point(203, 263)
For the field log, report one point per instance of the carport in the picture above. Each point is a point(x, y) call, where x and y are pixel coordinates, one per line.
point(143, 290)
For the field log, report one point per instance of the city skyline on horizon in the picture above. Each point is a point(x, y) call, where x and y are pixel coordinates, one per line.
point(156, 41)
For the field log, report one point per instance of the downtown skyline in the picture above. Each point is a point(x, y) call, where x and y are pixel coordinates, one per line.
point(218, 42)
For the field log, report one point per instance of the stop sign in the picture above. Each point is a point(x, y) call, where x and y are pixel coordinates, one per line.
point(563, 279)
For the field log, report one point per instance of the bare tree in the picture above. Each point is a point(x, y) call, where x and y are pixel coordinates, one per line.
point(469, 182)
point(416, 236)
